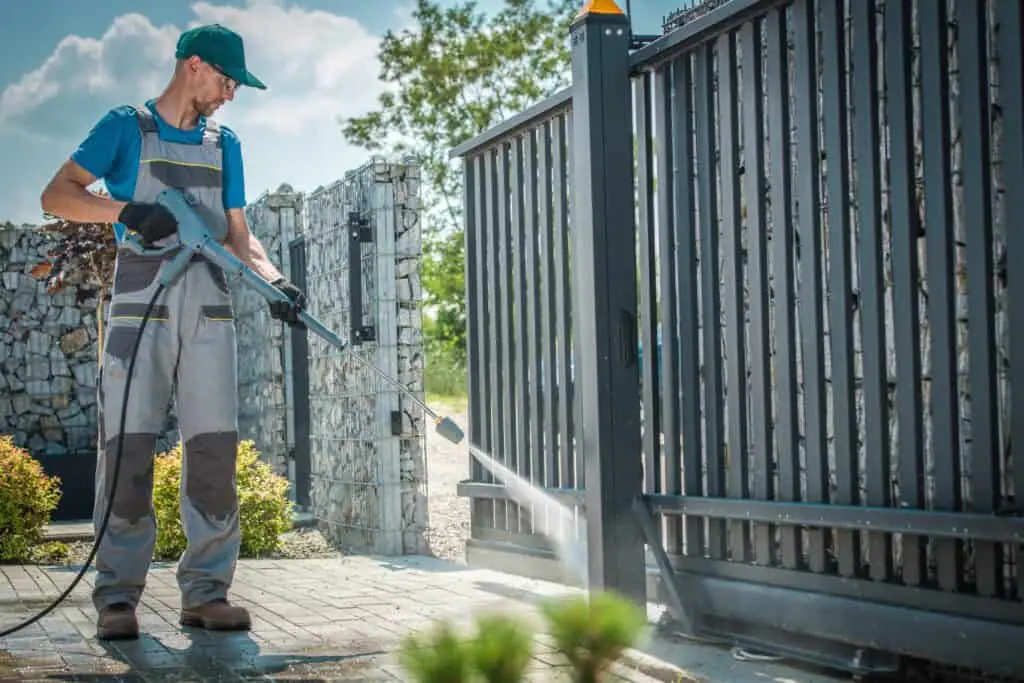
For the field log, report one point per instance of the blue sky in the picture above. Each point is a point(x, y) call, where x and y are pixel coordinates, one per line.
point(66, 62)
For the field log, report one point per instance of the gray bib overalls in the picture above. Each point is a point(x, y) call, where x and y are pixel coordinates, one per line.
point(188, 352)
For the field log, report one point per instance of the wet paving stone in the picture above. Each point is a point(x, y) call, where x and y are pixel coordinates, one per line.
point(313, 620)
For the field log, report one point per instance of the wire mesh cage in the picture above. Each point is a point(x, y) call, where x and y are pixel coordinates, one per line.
point(368, 474)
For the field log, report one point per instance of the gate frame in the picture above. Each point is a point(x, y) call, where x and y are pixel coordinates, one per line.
point(751, 605)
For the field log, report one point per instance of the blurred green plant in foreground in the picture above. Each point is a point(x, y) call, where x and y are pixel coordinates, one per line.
point(590, 632)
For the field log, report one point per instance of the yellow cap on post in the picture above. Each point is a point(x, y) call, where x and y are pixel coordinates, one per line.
point(599, 7)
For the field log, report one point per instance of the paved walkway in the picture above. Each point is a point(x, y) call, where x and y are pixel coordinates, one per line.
point(313, 620)
point(337, 620)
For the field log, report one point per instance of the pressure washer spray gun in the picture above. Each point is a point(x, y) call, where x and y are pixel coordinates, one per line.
point(194, 238)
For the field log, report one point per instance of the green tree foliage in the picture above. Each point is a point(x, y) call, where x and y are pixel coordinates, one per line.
point(455, 74)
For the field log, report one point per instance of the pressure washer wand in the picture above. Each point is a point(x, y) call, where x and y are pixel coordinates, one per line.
point(443, 425)
point(195, 238)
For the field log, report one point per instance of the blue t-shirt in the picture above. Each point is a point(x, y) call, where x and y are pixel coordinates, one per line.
point(111, 152)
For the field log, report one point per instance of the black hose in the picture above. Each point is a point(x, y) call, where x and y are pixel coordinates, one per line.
point(113, 487)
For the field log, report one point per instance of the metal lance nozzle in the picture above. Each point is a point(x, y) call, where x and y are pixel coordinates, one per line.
point(447, 428)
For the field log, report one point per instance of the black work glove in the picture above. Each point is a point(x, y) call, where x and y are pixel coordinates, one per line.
point(153, 222)
point(288, 312)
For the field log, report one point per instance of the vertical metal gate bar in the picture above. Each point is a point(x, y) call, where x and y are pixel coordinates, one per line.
point(551, 477)
point(1011, 81)
point(664, 132)
point(945, 418)
point(711, 309)
point(760, 336)
point(840, 297)
point(574, 397)
point(503, 387)
point(808, 221)
point(560, 214)
point(735, 311)
point(906, 227)
point(476, 351)
point(492, 269)
point(533, 280)
point(648, 285)
point(685, 228)
point(976, 172)
point(872, 284)
point(521, 455)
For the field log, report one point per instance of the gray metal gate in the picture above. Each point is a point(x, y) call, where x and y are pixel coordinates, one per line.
point(751, 282)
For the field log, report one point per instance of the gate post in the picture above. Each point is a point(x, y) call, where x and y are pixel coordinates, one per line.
point(605, 282)
point(300, 380)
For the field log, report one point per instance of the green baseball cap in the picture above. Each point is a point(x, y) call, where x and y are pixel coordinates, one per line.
point(220, 47)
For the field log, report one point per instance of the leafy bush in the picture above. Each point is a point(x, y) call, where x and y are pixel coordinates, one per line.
point(266, 511)
point(593, 633)
point(440, 656)
point(51, 552)
point(590, 632)
point(502, 649)
point(27, 498)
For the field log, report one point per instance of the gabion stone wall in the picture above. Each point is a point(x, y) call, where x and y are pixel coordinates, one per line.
point(274, 218)
point(367, 450)
point(48, 364)
point(49, 354)
point(367, 441)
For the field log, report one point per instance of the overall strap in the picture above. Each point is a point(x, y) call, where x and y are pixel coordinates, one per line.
point(147, 124)
point(144, 117)
point(211, 135)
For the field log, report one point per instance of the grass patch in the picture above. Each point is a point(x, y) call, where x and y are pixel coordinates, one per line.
point(445, 378)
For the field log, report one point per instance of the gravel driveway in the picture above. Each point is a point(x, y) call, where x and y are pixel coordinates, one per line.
point(447, 465)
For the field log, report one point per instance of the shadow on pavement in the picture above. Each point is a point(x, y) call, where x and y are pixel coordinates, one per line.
point(207, 657)
point(422, 563)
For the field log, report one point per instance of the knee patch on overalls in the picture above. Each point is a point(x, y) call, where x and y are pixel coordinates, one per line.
point(133, 497)
point(210, 472)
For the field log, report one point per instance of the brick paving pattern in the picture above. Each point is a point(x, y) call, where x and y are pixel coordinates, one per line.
point(338, 620)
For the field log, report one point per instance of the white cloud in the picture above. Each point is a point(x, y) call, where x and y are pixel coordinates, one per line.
point(317, 66)
point(126, 60)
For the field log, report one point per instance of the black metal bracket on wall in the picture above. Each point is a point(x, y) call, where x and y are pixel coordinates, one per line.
point(359, 233)
point(300, 381)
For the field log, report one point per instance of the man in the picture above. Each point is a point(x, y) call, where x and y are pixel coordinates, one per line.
point(188, 349)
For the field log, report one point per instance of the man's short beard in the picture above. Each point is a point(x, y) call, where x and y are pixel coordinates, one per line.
point(204, 108)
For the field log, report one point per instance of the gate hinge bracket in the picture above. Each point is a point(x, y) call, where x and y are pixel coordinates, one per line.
point(365, 333)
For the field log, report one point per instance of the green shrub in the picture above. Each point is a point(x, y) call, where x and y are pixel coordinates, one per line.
point(593, 633)
point(51, 552)
point(440, 656)
point(27, 498)
point(502, 649)
point(266, 511)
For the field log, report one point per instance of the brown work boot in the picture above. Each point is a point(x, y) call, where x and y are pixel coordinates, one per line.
point(217, 615)
point(117, 622)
